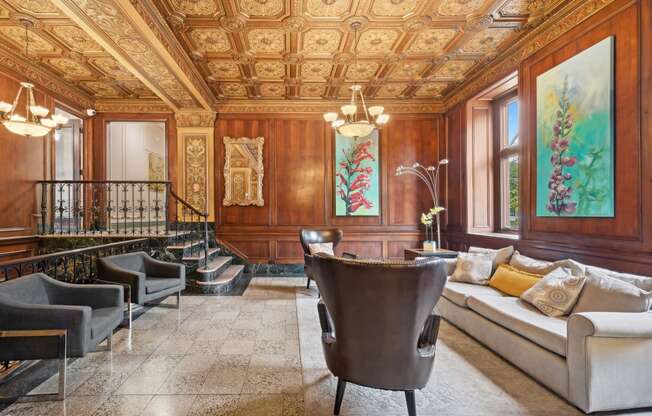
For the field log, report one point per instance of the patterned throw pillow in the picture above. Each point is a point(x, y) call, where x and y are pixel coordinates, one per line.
point(500, 256)
point(474, 268)
point(558, 291)
point(508, 279)
point(326, 248)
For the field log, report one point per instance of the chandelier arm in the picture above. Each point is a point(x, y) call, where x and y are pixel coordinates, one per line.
point(364, 105)
point(30, 100)
point(15, 103)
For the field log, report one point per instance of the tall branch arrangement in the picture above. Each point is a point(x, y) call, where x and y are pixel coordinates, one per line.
point(430, 176)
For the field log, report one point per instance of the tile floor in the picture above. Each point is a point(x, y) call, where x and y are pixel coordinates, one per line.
point(260, 354)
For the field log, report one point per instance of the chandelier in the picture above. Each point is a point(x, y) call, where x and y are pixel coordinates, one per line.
point(34, 123)
point(349, 124)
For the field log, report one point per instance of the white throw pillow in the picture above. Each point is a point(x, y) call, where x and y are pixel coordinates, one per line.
point(530, 265)
point(500, 256)
point(557, 292)
point(474, 268)
point(641, 282)
point(326, 248)
point(603, 293)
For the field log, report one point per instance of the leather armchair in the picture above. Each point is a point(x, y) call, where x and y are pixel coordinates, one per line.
point(378, 325)
point(308, 236)
point(148, 278)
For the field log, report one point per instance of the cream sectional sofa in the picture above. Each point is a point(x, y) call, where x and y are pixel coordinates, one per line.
point(598, 361)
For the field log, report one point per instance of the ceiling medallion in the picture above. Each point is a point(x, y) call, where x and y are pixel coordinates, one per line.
point(418, 23)
point(350, 125)
point(293, 23)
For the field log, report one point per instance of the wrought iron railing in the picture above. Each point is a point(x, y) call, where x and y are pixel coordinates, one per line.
point(74, 266)
point(122, 209)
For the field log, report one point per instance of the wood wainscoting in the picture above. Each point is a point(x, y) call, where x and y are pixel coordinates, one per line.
point(298, 187)
point(625, 241)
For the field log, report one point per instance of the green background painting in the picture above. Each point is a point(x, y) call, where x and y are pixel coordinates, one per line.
point(357, 184)
point(575, 151)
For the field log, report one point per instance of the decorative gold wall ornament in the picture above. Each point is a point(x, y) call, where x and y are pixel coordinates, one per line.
point(414, 106)
point(194, 119)
point(196, 171)
point(243, 171)
point(131, 106)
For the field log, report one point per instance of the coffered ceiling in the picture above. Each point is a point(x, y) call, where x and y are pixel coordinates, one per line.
point(186, 54)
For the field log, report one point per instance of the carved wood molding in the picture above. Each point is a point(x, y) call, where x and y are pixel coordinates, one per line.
point(230, 199)
point(299, 106)
point(132, 106)
point(195, 119)
point(571, 15)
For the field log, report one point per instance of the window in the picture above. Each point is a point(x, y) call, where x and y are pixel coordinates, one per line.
point(507, 163)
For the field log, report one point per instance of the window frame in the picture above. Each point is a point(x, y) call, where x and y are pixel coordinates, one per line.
point(503, 151)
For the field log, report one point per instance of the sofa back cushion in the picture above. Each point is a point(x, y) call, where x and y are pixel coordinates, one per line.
point(499, 256)
point(603, 293)
point(30, 289)
point(642, 282)
point(512, 281)
point(530, 265)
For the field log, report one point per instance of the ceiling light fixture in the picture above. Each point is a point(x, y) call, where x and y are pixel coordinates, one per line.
point(350, 125)
point(34, 123)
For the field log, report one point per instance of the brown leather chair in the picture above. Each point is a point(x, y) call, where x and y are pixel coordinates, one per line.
point(308, 236)
point(378, 325)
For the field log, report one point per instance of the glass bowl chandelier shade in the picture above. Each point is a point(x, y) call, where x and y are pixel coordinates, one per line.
point(349, 124)
point(34, 122)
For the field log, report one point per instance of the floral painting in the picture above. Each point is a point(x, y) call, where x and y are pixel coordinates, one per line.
point(575, 150)
point(357, 188)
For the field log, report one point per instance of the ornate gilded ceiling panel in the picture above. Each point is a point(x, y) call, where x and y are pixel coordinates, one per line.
point(327, 8)
point(431, 90)
point(393, 8)
point(408, 70)
point(313, 90)
point(391, 90)
point(454, 69)
point(233, 89)
point(111, 67)
point(76, 39)
point(459, 7)
point(266, 41)
point(321, 41)
point(260, 8)
point(361, 71)
point(16, 35)
point(487, 40)
point(102, 89)
point(431, 41)
point(376, 41)
point(210, 40)
point(224, 69)
point(515, 8)
point(270, 70)
point(4, 12)
point(197, 7)
point(37, 7)
point(272, 90)
point(69, 68)
point(316, 70)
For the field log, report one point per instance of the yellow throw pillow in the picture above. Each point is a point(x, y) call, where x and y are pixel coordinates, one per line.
point(508, 279)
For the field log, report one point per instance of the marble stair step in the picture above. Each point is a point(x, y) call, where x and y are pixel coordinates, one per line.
point(226, 277)
point(186, 246)
point(202, 255)
point(216, 266)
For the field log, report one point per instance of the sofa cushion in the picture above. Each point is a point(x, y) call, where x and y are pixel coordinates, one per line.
point(642, 282)
point(499, 256)
point(602, 293)
point(523, 319)
point(473, 268)
point(458, 293)
point(558, 291)
point(104, 319)
point(157, 284)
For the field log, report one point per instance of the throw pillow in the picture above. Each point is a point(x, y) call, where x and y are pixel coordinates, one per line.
point(557, 292)
point(472, 268)
point(514, 282)
point(500, 256)
point(326, 248)
point(641, 282)
point(602, 293)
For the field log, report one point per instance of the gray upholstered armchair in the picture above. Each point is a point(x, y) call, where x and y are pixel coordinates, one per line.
point(378, 325)
point(148, 278)
point(43, 318)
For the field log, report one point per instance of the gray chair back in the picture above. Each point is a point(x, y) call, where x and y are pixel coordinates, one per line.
point(379, 310)
point(131, 261)
point(29, 289)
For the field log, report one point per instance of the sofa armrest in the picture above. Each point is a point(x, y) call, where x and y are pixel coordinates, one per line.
point(611, 324)
point(606, 353)
point(158, 268)
point(348, 255)
point(95, 296)
point(74, 319)
point(328, 334)
point(109, 272)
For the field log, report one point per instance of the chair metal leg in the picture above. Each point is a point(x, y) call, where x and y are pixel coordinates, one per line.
point(308, 285)
point(62, 379)
point(108, 346)
point(411, 403)
point(130, 312)
point(179, 300)
point(339, 395)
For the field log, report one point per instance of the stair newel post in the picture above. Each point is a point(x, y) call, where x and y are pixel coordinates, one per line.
point(167, 205)
point(206, 239)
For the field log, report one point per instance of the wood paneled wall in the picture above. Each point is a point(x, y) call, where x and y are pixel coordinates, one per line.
point(23, 161)
point(298, 187)
point(625, 241)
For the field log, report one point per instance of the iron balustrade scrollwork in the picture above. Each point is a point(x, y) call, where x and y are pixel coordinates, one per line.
point(122, 209)
point(73, 266)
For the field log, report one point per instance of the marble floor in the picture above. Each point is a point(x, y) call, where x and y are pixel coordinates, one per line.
point(260, 354)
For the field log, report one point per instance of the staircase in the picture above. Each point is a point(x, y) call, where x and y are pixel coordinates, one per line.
point(134, 209)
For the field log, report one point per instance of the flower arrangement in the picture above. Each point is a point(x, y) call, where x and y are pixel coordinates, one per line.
point(353, 177)
point(430, 176)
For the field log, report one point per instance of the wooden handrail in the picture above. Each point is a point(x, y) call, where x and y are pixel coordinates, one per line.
point(187, 204)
